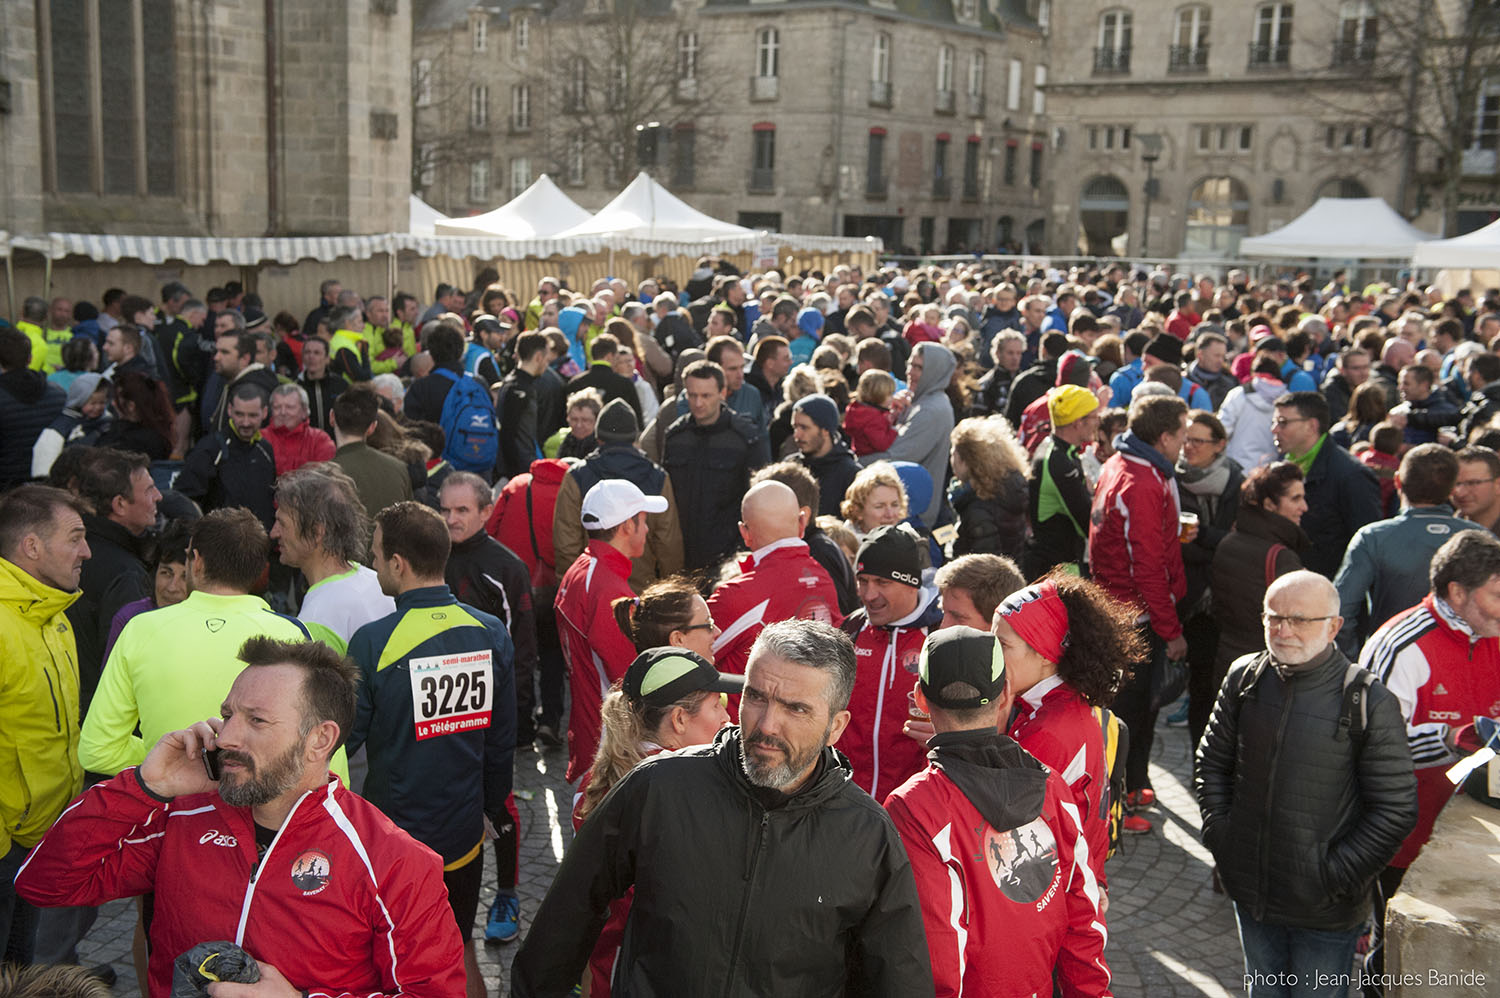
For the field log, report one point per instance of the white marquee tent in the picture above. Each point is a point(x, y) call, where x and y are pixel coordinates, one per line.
point(540, 211)
point(645, 210)
point(1341, 229)
point(1478, 250)
point(422, 217)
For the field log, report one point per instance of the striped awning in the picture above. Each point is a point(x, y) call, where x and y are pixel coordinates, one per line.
point(252, 251)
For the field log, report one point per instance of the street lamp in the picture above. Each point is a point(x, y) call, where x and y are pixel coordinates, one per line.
point(1150, 153)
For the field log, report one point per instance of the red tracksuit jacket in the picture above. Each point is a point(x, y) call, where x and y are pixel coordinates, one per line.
point(1133, 548)
point(596, 652)
point(1053, 723)
point(298, 446)
point(1443, 675)
point(343, 902)
point(1001, 863)
point(885, 662)
point(781, 581)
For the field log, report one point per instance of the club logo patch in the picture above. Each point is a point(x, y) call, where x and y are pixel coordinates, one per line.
point(310, 872)
point(1023, 860)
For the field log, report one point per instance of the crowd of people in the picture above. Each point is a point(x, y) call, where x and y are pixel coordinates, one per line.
point(852, 598)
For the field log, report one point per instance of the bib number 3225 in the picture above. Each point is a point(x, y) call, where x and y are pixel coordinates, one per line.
point(451, 693)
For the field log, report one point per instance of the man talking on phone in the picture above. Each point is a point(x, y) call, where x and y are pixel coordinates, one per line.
point(276, 856)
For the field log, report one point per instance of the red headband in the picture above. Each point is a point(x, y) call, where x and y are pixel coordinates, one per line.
point(1038, 615)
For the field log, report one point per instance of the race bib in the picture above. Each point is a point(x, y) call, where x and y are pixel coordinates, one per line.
point(451, 693)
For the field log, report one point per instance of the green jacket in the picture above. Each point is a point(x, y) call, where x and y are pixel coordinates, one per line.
point(170, 668)
point(39, 770)
point(38, 344)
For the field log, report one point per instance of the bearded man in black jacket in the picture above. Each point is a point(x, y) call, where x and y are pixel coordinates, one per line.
point(759, 867)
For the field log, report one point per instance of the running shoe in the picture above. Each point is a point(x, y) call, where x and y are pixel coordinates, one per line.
point(504, 923)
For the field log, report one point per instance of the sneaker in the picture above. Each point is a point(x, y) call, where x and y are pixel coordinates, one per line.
point(1144, 797)
point(504, 923)
point(1179, 717)
point(548, 736)
point(1134, 824)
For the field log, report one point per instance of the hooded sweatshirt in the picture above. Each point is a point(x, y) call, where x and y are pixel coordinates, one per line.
point(1003, 873)
point(1246, 415)
point(68, 427)
point(885, 661)
point(923, 431)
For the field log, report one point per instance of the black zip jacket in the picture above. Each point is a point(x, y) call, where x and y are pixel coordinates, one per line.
point(710, 468)
point(112, 576)
point(738, 890)
point(28, 405)
point(1299, 817)
point(320, 395)
point(483, 573)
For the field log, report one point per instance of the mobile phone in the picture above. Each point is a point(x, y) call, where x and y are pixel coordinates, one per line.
point(211, 764)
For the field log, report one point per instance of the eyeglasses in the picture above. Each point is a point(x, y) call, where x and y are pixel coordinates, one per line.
point(697, 627)
point(1275, 620)
point(1283, 421)
point(724, 700)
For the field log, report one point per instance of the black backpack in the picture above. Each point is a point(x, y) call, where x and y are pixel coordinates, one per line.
point(1354, 714)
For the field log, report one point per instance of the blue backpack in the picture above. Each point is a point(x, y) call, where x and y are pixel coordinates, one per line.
point(468, 421)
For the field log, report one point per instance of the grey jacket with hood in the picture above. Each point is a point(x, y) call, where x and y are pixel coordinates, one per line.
point(923, 432)
point(1246, 415)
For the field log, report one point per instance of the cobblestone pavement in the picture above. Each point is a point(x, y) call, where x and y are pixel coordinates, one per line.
point(1169, 933)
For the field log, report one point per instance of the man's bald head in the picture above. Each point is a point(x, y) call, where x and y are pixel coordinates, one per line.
point(1398, 353)
point(1301, 617)
point(769, 513)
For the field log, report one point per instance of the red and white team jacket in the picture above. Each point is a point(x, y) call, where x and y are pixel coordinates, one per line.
point(1053, 723)
point(780, 581)
point(596, 652)
point(1001, 864)
point(343, 903)
point(1443, 675)
point(885, 670)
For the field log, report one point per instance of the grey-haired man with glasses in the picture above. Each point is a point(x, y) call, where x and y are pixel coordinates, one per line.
point(1306, 787)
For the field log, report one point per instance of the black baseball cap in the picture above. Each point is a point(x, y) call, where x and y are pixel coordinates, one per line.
point(662, 676)
point(961, 655)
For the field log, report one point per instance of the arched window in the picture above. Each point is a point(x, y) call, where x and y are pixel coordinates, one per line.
point(768, 52)
point(1218, 215)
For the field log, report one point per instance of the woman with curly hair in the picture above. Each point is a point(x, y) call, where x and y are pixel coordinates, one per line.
point(875, 498)
point(636, 724)
point(1068, 648)
point(989, 488)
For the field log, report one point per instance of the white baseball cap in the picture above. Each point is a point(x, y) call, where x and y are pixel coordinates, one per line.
point(613, 501)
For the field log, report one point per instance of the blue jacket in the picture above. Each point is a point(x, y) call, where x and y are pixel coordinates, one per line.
point(1123, 383)
point(438, 785)
point(1297, 380)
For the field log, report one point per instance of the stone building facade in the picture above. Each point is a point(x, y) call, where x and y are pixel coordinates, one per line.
point(1183, 127)
point(225, 118)
point(924, 122)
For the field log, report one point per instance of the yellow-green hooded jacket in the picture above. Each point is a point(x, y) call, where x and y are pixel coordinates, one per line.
point(39, 770)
